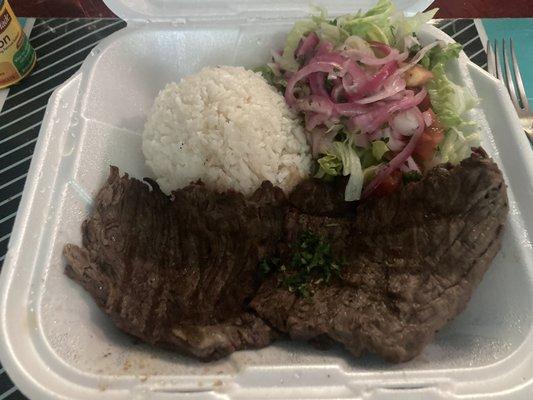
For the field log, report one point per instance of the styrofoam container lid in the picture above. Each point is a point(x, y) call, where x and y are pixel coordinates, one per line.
point(167, 10)
point(55, 343)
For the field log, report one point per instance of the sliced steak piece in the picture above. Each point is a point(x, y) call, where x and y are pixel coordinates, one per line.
point(413, 261)
point(179, 271)
point(317, 197)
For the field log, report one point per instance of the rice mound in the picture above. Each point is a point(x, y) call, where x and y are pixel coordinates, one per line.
point(228, 127)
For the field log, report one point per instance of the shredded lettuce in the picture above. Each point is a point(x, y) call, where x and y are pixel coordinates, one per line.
point(370, 172)
point(379, 148)
point(341, 158)
point(440, 55)
point(298, 31)
point(384, 23)
point(331, 33)
point(329, 165)
point(457, 144)
point(366, 156)
point(359, 44)
point(267, 73)
point(381, 24)
point(405, 26)
point(450, 102)
point(374, 25)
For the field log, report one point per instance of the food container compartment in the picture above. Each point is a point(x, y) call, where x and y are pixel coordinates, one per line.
point(57, 344)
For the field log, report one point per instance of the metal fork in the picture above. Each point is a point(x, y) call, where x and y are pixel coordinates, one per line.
point(514, 87)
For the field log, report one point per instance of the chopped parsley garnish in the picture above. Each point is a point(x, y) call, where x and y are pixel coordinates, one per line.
point(311, 264)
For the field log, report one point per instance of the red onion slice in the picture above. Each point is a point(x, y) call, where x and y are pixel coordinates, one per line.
point(318, 66)
point(413, 166)
point(324, 47)
point(317, 84)
point(408, 101)
point(318, 110)
point(320, 139)
point(338, 91)
point(361, 140)
point(313, 120)
point(391, 87)
point(407, 122)
point(393, 165)
point(350, 109)
point(373, 84)
point(307, 44)
point(396, 141)
point(418, 56)
point(316, 103)
point(390, 54)
point(379, 114)
point(354, 77)
point(329, 57)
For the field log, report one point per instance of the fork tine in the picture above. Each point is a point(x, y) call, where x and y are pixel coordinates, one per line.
point(509, 78)
point(499, 74)
point(491, 66)
point(518, 77)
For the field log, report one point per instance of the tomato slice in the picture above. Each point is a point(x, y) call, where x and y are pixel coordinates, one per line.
point(389, 185)
point(424, 150)
point(425, 104)
point(436, 122)
point(429, 140)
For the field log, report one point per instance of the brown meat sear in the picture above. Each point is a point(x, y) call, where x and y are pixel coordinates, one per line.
point(181, 271)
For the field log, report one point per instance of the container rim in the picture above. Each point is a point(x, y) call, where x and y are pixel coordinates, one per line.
point(183, 10)
point(505, 378)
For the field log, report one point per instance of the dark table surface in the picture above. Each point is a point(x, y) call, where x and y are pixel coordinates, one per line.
point(447, 8)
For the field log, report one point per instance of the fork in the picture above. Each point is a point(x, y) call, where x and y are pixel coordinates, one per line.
point(514, 87)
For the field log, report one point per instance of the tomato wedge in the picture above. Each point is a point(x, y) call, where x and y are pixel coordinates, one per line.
point(425, 104)
point(429, 140)
point(390, 185)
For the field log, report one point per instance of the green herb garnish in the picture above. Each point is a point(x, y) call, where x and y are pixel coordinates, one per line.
point(379, 148)
point(311, 264)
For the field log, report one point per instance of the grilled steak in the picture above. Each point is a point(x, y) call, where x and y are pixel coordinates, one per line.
point(179, 272)
point(182, 271)
point(412, 262)
point(316, 197)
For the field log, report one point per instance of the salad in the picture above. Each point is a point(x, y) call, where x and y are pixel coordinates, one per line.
point(376, 104)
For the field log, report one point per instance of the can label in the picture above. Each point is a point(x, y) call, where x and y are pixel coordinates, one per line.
point(17, 56)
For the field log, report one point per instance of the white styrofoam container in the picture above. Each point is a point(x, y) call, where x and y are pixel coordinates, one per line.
point(56, 344)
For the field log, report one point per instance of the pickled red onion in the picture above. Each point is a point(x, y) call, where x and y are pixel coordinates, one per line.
point(307, 45)
point(393, 165)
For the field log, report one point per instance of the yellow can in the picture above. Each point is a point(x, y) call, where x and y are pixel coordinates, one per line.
point(17, 56)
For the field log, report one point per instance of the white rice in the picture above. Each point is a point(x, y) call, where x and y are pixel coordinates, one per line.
point(228, 127)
